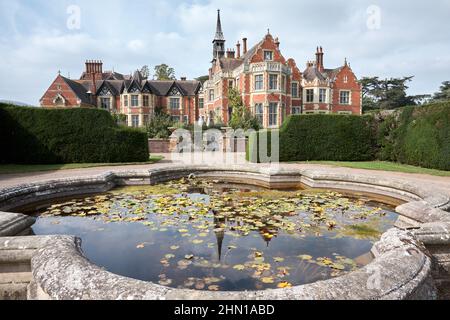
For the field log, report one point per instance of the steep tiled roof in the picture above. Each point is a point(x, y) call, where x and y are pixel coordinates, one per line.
point(229, 64)
point(246, 57)
point(79, 89)
point(311, 73)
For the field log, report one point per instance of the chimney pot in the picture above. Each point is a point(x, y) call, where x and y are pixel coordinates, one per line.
point(183, 78)
point(244, 41)
point(238, 47)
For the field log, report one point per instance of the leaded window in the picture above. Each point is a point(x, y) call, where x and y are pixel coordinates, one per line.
point(174, 104)
point(273, 82)
point(344, 97)
point(259, 112)
point(309, 95)
point(259, 82)
point(273, 114)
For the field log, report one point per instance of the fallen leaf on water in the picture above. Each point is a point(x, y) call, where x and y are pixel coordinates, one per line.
point(284, 284)
point(239, 267)
point(214, 288)
point(140, 246)
point(174, 247)
point(268, 280)
point(278, 259)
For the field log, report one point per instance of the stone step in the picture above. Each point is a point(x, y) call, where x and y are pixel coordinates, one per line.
point(15, 277)
point(13, 256)
point(14, 291)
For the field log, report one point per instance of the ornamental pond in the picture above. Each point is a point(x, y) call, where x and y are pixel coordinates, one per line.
point(211, 235)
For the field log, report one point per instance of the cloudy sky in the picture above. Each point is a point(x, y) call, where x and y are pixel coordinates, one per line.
point(387, 38)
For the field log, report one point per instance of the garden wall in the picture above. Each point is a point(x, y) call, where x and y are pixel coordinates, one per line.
point(44, 136)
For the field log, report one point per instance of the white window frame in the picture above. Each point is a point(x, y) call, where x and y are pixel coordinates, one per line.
point(135, 124)
point(262, 82)
point(271, 55)
point(146, 97)
point(137, 99)
point(211, 95)
point(323, 90)
point(178, 104)
point(296, 110)
point(259, 115)
point(307, 96)
point(201, 103)
point(277, 81)
point(273, 115)
point(292, 87)
point(349, 97)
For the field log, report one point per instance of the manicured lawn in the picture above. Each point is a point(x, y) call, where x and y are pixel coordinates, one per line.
point(19, 168)
point(384, 166)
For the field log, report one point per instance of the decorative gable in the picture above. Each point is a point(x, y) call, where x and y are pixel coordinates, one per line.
point(134, 89)
point(105, 91)
point(174, 92)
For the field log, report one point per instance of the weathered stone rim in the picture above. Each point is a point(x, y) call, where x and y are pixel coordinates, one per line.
point(61, 272)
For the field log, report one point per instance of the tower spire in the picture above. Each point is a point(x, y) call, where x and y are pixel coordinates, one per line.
point(219, 33)
point(219, 40)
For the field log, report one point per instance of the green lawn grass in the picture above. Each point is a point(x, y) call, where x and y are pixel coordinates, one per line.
point(384, 166)
point(24, 168)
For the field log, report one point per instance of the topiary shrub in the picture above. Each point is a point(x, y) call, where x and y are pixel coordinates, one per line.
point(49, 136)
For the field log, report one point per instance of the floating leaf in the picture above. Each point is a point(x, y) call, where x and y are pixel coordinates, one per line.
point(214, 288)
point(284, 284)
point(305, 257)
point(189, 256)
point(267, 280)
point(174, 248)
point(239, 267)
point(278, 259)
point(140, 246)
point(197, 241)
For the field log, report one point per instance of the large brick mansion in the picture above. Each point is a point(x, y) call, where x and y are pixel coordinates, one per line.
point(271, 86)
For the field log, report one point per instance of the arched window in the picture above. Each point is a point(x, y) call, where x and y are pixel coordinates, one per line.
point(59, 101)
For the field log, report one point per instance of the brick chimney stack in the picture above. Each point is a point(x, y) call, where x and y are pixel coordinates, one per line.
point(230, 53)
point(94, 66)
point(238, 48)
point(319, 59)
point(244, 41)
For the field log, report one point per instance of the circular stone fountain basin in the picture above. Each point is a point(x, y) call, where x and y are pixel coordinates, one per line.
point(211, 235)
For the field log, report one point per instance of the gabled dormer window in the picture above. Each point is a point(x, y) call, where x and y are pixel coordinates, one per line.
point(268, 55)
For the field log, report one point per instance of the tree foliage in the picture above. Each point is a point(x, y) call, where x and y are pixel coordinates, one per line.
point(145, 71)
point(158, 127)
point(241, 118)
point(164, 72)
point(388, 94)
point(444, 92)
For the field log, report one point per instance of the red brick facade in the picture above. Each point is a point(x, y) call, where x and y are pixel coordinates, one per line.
point(132, 96)
point(272, 87)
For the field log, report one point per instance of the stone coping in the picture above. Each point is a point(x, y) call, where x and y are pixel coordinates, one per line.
point(401, 270)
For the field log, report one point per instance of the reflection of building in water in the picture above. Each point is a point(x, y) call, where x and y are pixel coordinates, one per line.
point(220, 234)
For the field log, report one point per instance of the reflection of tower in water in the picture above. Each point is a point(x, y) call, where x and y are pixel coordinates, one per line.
point(219, 230)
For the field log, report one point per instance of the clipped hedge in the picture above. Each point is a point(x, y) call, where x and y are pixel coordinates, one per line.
point(417, 136)
point(49, 136)
point(327, 137)
point(323, 137)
